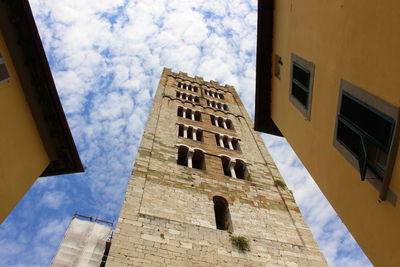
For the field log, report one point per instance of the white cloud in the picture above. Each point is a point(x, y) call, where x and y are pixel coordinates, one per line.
point(53, 199)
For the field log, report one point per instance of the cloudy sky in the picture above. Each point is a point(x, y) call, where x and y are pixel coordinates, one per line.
point(106, 57)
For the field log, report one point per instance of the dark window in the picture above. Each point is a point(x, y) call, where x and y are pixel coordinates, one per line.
point(4, 75)
point(301, 84)
point(241, 170)
point(366, 132)
point(225, 165)
point(179, 112)
point(199, 135)
point(182, 155)
point(197, 116)
point(180, 130)
point(222, 214)
point(198, 160)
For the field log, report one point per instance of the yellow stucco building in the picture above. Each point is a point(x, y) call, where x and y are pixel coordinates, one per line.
point(327, 80)
point(35, 139)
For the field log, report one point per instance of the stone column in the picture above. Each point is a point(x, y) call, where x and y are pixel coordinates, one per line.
point(190, 158)
point(221, 141)
point(230, 143)
point(216, 121)
point(193, 115)
point(224, 123)
point(185, 128)
point(194, 134)
point(232, 168)
point(184, 112)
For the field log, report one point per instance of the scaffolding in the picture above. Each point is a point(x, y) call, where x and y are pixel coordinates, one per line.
point(86, 243)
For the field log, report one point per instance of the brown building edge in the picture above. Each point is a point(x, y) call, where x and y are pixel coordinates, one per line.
point(23, 40)
point(262, 114)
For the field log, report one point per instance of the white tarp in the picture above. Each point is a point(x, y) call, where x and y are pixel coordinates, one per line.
point(83, 244)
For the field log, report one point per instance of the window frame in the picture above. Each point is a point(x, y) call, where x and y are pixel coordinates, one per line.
point(385, 110)
point(307, 66)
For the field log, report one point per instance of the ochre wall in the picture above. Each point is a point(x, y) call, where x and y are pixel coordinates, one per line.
point(22, 154)
point(357, 41)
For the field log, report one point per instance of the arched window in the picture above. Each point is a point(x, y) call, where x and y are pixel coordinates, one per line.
point(179, 84)
point(197, 116)
point(199, 134)
point(198, 159)
point(235, 144)
point(182, 155)
point(179, 112)
point(222, 215)
point(241, 169)
point(229, 124)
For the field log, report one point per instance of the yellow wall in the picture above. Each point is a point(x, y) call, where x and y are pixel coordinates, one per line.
point(357, 41)
point(22, 154)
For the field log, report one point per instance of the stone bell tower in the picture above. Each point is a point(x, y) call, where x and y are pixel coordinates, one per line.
point(201, 177)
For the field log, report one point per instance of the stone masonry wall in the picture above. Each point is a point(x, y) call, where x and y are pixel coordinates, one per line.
point(167, 218)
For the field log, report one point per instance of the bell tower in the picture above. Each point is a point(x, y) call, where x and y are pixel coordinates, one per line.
point(204, 190)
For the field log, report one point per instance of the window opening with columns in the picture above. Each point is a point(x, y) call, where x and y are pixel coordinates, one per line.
point(234, 168)
point(190, 132)
point(217, 105)
point(187, 87)
point(221, 122)
point(188, 113)
point(213, 94)
point(187, 97)
point(227, 141)
point(222, 215)
point(191, 157)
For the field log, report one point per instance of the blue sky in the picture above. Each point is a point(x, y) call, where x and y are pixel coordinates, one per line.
point(106, 57)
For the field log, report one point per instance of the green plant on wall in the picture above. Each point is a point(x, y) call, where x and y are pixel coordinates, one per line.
point(280, 183)
point(241, 243)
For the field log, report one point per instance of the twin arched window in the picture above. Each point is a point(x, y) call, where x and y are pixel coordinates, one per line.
point(191, 157)
point(235, 168)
